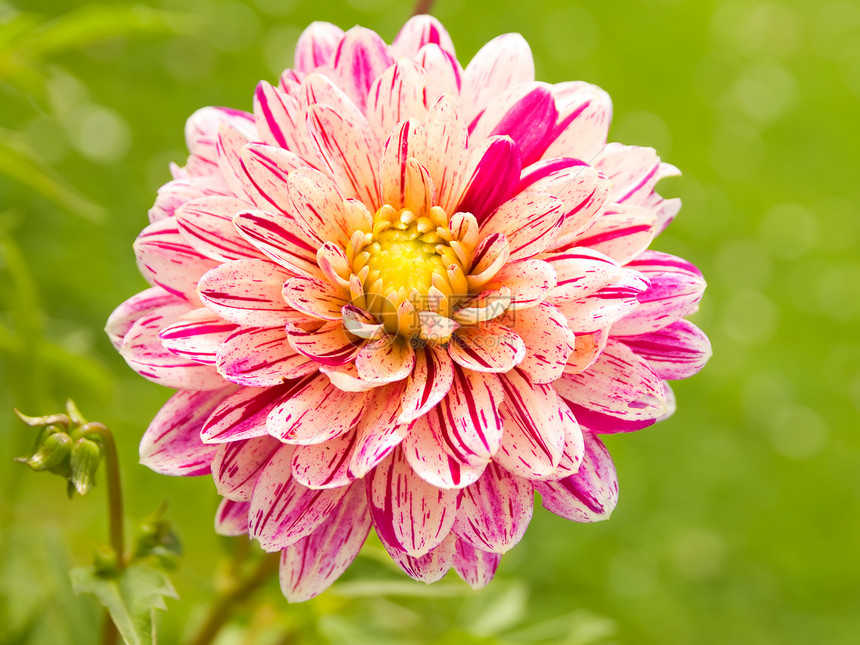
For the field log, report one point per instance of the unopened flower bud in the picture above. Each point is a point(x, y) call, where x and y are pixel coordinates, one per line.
point(53, 454)
point(86, 455)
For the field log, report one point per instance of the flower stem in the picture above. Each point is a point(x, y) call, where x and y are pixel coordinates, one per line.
point(115, 512)
point(423, 6)
point(222, 608)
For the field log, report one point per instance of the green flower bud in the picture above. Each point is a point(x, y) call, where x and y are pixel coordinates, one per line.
point(106, 561)
point(86, 455)
point(53, 454)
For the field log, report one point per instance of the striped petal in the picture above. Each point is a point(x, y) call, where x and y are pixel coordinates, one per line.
point(281, 238)
point(584, 115)
point(312, 564)
point(504, 62)
point(408, 513)
point(580, 272)
point(474, 566)
point(315, 411)
point(316, 45)
point(237, 465)
point(529, 282)
point(171, 444)
point(361, 56)
point(325, 465)
point(328, 345)
point(319, 207)
point(529, 221)
point(587, 348)
point(424, 449)
point(430, 567)
point(314, 297)
point(619, 393)
point(206, 223)
point(408, 141)
point(443, 73)
point(261, 357)
point(388, 359)
point(549, 340)
point(495, 511)
point(536, 423)
point(633, 171)
point(677, 351)
point(231, 518)
point(282, 510)
point(589, 495)
point(267, 169)
point(278, 117)
point(196, 336)
point(419, 31)
point(490, 178)
point(622, 232)
point(446, 155)
point(397, 95)
point(488, 347)
point(378, 431)
point(129, 312)
point(428, 382)
point(242, 415)
point(606, 306)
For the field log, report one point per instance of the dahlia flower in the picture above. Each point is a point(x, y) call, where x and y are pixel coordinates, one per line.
point(405, 295)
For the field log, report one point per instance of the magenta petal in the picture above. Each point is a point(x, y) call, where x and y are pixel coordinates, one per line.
point(408, 513)
point(676, 351)
point(231, 518)
point(495, 511)
point(237, 465)
point(282, 510)
point(171, 444)
point(312, 564)
point(474, 566)
point(491, 178)
point(525, 113)
point(589, 495)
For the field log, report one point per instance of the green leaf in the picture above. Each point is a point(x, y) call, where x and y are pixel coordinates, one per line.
point(131, 598)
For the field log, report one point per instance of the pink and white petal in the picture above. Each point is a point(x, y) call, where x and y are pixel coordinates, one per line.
point(231, 518)
point(334, 264)
point(633, 171)
point(536, 422)
point(129, 312)
point(677, 351)
point(281, 238)
point(261, 357)
point(319, 208)
point(229, 146)
point(490, 178)
point(237, 465)
point(206, 223)
point(328, 345)
point(359, 322)
point(425, 451)
point(419, 31)
point(196, 336)
point(430, 567)
point(171, 444)
point(591, 494)
point(606, 306)
point(580, 188)
point(574, 450)
point(360, 57)
point(474, 566)
point(526, 113)
point(580, 272)
point(266, 169)
point(167, 260)
point(494, 512)
point(316, 45)
point(530, 282)
point(487, 347)
point(676, 286)
point(314, 412)
point(387, 359)
point(504, 62)
point(428, 382)
point(483, 307)
point(312, 564)
point(467, 419)
point(407, 141)
point(279, 119)
point(349, 150)
point(175, 193)
point(325, 465)
point(143, 351)
point(619, 393)
point(314, 297)
point(490, 256)
point(203, 127)
point(588, 347)
point(242, 415)
point(584, 115)
point(530, 222)
point(282, 510)
point(447, 155)
point(444, 73)
point(622, 232)
point(549, 341)
point(247, 293)
point(409, 514)
point(345, 377)
point(378, 432)
point(397, 95)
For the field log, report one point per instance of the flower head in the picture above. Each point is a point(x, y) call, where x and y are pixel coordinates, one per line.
point(406, 295)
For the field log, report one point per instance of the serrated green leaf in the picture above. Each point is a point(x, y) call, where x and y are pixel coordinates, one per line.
point(131, 598)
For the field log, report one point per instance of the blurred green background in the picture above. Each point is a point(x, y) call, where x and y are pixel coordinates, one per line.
point(738, 520)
